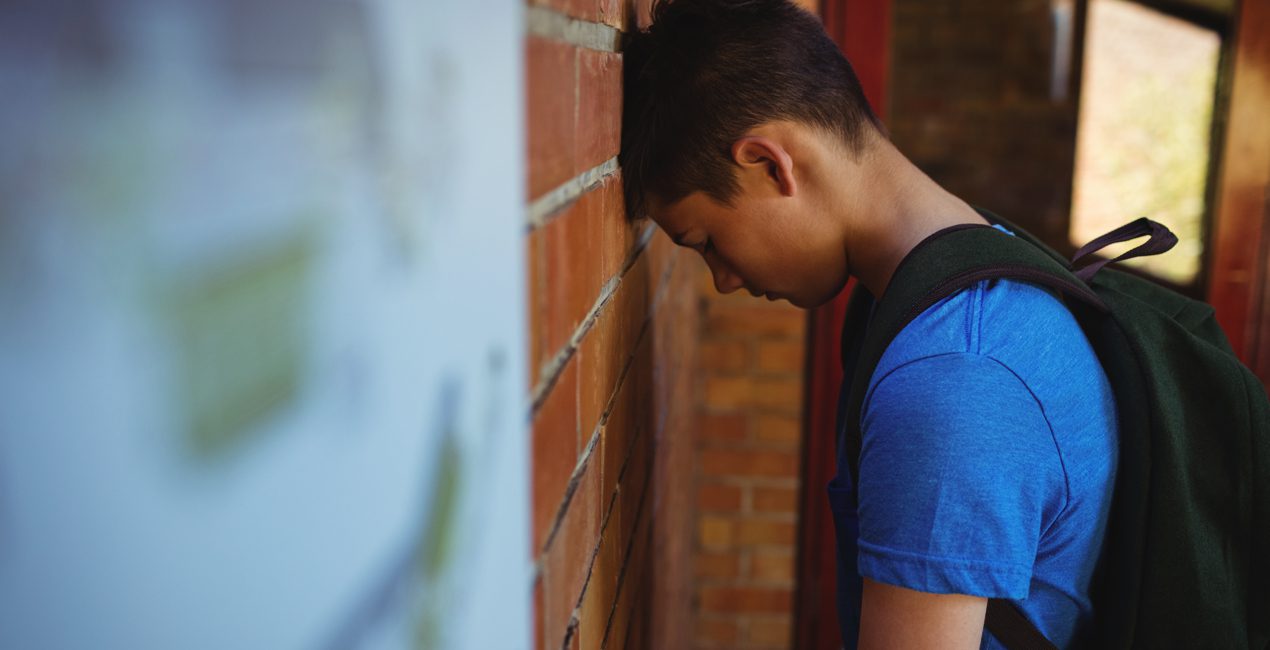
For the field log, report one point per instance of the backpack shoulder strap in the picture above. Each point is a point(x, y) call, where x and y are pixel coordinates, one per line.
point(942, 264)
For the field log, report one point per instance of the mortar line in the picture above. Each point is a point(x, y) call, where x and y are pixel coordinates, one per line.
point(640, 587)
point(554, 367)
point(546, 23)
point(554, 202)
point(575, 478)
point(641, 522)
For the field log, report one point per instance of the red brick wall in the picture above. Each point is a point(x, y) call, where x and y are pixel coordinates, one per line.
point(612, 333)
point(970, 104)
point(750, 384)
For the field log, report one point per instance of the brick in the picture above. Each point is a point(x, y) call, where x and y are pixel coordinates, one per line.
point(599, 367)
point(629, 599)
point(716, 532)
point(618, 235)
point(555, 433)
point(745, 599)
point(599, 115)
point(634, 499)
point(609, 344)
point(550, 83)
point(632, 599)
point(732, 394)
point(775, 499)
point(748, 462)
point(535, 290)
point(724, 357)
point(608, 12)
point(779, 357)
point(616, 446)
point(638, 464)
point(785, 429)
point(613, 13)
point(717, 565)
point(661, 251)
point(758, 532)
point(716, 633)
point(1030, 150)
point(571, 270)
point(716, 497)
point(773, 567)
point(769, 632)
point(624, 425)
point(724, 428)
point(682, 300)
point(627, 433)
point(602, 587)
point(637, 635)
point(568, 558)
point(676, 339)
point(731, 320)
point(630, 305)
point(597, 602)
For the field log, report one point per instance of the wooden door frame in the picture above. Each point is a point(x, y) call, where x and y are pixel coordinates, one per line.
point(1237, 269)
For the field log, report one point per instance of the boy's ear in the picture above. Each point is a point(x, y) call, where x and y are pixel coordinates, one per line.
point(762, 157)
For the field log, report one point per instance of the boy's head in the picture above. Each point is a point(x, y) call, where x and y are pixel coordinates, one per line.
point(727, 102)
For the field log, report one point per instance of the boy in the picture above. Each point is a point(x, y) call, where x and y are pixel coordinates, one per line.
point(989, 429)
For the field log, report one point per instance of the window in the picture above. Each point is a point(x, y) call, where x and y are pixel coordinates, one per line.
point(1142, 145)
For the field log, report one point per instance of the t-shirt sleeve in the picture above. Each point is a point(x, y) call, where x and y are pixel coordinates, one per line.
point(959, 477)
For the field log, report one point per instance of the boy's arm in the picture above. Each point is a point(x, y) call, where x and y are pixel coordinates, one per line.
point(895, 617)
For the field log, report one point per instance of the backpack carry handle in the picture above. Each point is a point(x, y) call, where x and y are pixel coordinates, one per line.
point(1162, 239)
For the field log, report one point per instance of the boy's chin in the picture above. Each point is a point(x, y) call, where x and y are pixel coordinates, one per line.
point(798, 301)
point(811, 303)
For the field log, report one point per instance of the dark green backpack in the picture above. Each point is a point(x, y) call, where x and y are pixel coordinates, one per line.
point(1187, 557)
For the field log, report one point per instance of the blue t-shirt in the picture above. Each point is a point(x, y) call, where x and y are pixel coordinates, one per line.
point(987, 462)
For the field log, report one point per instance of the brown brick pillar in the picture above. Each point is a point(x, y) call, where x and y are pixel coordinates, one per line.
point(612, 332)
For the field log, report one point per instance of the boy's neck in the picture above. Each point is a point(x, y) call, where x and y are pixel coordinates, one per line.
point(889, 208)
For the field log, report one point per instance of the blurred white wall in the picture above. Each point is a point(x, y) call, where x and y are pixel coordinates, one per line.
point(261, 325)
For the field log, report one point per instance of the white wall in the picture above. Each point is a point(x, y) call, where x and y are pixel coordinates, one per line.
point(261, 325)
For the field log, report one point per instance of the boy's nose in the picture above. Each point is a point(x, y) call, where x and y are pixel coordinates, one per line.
point(724, 280)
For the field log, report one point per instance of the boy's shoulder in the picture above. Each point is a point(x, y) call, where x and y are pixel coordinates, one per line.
point(1013, 323)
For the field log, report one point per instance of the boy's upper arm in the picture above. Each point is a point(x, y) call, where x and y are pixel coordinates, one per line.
point(959, 476)
point(895, 617)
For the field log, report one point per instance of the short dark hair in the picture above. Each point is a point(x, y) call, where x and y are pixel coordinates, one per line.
point(707, 71)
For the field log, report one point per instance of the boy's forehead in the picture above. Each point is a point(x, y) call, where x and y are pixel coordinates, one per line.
point(662, 212)
point(682, 213)
point(676, 218)
point(697, 214)
point(658, 206)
